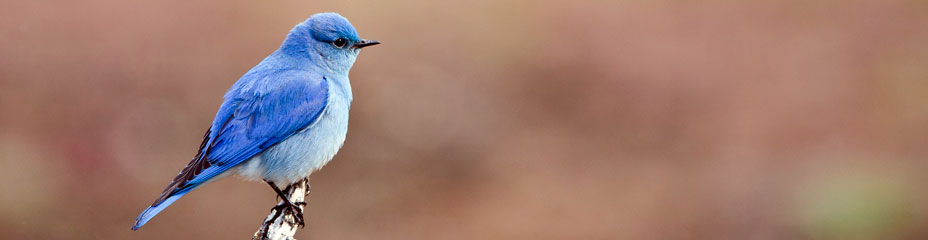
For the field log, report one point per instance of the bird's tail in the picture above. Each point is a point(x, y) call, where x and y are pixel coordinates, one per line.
point(154, 210)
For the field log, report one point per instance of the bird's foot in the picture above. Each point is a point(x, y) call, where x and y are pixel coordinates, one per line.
point(293, 209)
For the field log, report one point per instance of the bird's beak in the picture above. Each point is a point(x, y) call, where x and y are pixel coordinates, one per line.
point(366, 43)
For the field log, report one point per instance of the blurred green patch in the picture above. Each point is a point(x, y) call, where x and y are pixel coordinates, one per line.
point(856, 206)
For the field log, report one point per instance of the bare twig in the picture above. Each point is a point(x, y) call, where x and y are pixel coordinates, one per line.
point(283, 227)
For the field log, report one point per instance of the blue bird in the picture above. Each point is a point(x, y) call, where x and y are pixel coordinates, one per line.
point(284, 119)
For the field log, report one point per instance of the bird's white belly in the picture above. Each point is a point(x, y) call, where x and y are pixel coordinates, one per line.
point(303, 152)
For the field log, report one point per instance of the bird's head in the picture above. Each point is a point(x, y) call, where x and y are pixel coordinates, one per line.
point(327, 39)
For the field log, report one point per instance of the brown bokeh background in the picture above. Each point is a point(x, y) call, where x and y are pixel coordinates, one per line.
point(486, 120)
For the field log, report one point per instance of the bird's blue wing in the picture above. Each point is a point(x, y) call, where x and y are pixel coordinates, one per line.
point(256, 114)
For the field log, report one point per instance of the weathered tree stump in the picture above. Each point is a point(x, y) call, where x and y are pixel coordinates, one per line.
point(281, 224)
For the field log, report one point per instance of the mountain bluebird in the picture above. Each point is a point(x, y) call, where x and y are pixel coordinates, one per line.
point(283, 119)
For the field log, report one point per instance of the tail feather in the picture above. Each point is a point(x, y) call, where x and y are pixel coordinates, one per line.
point(178, 187)
point(175, 190)
point(154, 210)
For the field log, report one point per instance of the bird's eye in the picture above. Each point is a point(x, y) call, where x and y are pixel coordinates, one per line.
point(340, 42)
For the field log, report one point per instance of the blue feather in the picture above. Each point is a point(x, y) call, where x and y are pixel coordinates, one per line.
point(251, 120)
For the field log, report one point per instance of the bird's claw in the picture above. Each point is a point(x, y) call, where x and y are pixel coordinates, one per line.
point(288, 208)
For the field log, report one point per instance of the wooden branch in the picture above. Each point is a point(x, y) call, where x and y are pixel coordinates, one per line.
point(283, 227)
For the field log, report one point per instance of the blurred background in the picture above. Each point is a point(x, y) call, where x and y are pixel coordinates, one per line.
point(486, 119)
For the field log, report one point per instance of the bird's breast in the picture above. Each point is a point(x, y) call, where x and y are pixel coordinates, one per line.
point(305, 151)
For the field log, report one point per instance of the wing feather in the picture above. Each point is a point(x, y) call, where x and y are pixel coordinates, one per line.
point(248, 122)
